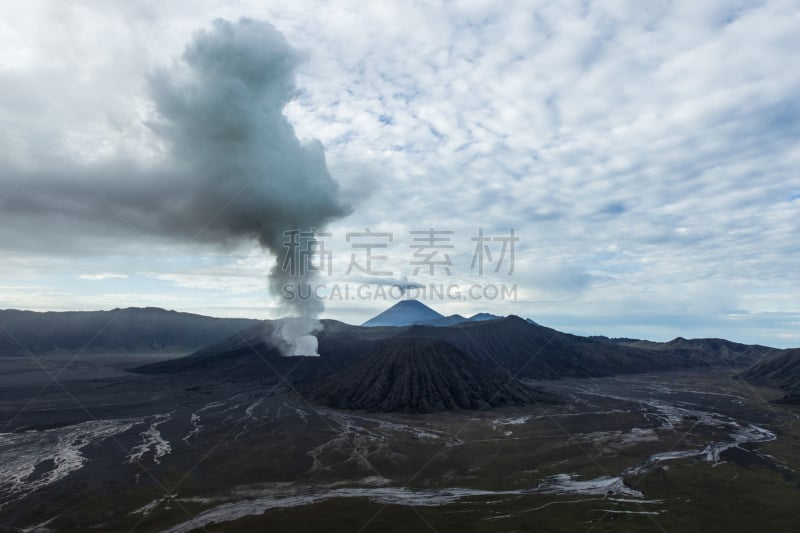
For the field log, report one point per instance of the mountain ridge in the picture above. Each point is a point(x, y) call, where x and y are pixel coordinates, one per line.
point(509, 344)
point(131, 330)
point(781, 370)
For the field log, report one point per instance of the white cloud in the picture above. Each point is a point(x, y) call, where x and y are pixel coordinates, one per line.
point(102, 276)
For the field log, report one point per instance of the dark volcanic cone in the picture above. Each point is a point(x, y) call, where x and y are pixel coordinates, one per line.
point(421, 375)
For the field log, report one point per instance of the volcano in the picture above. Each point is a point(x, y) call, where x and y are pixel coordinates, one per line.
point(405, 313)
point(421, 375)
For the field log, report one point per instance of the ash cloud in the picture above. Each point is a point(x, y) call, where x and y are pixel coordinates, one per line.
point(234, 167)
point(224, 114)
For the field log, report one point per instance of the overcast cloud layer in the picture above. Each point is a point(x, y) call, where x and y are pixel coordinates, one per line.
point(646, 155)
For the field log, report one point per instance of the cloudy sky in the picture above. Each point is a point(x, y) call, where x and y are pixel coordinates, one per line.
point(646, 155)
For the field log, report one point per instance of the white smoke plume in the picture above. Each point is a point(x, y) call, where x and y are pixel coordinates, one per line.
point(295, 335)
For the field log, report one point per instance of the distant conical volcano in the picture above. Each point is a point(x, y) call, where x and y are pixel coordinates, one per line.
point(405, 313)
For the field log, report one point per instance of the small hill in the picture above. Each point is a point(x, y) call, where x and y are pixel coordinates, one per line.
point(477, 317)
point(782, 370)
point(421, 375)
point(405, 313)
point(444, 322)
point(452, 320)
